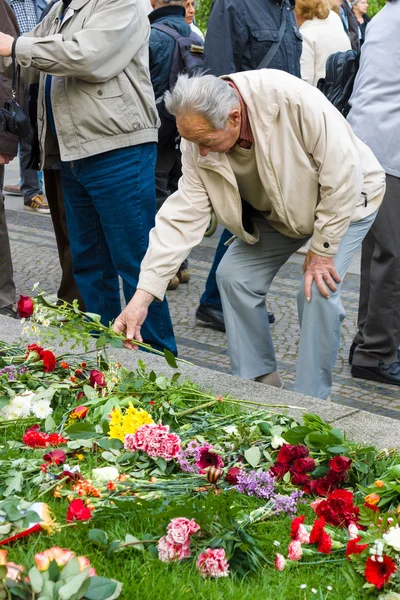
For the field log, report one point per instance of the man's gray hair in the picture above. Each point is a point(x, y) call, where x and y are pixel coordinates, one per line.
point(206, 95)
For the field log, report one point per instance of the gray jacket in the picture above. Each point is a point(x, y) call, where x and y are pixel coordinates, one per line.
point(375, 102)
point(101, 93)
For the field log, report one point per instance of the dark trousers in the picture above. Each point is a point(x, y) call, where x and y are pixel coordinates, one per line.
point(378, 334)
point(68, 289)
point(7, 287)
point(211, 296)
point(168, 173)
point(30, 184)
point(110, 205)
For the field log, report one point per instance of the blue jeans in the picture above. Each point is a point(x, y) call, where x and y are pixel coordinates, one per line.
point(211, 296)
point(110, 204)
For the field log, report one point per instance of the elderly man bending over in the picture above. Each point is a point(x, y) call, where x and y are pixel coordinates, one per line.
point(279, 165)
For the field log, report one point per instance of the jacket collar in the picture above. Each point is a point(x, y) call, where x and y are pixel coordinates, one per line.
point(167, 11)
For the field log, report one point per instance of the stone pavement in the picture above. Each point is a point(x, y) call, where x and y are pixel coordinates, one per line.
point(35, 260)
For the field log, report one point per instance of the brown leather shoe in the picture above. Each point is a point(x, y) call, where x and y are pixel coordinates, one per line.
point(14, 190)
point(173, 283)
point(183, 275)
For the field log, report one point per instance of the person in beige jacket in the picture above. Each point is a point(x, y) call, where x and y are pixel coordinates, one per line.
point(279, 165)
point(97, 115)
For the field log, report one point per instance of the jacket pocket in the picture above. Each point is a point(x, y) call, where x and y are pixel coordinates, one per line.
point(261, 42)
point(108, 89)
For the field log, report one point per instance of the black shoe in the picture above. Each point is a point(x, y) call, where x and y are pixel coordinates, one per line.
point(211, 316)
point(353, 348)
point(8, 311)
point(382, 374)
point(351, 352)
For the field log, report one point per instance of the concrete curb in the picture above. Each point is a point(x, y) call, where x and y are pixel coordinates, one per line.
point(359, 425)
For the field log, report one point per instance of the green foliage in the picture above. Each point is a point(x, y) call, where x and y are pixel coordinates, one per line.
point(374, 6)
point(203, 8)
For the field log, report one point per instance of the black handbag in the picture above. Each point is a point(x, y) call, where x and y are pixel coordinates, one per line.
point(14, 120)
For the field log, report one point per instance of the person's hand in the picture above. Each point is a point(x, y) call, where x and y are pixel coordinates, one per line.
point(132, 318)
point(5, 159)
point(6, 42)
point(320, 269)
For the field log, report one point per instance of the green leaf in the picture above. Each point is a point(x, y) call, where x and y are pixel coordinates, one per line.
point(81, 431)
point(161, 464)
point(53, 571)
point(99, 537)
point(71, 569)
point(337, 449)
point(317, 439)
point(265, 427)
point(89, 392)
point(161, 382)
point(101, 588)
point(175, 377)
point(93, 317)
point(116, 342)
point(109, 456)
point(136, 543)
point(50, 424)
point(170, 358)
point(73, 584)
point(286, 477)
point(253, 456)
point(362, 467)
point(36, 580)
point(296, 435)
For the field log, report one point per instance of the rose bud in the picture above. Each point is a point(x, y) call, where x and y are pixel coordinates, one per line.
point(97, 378)
point(232, 475)
point(25, 306)
point(80, 411)
point(372, 499)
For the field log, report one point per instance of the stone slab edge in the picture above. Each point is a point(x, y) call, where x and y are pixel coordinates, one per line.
point(359, 425)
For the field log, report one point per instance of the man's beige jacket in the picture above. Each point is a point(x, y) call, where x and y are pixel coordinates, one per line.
point(101, 93)
point(317, 174)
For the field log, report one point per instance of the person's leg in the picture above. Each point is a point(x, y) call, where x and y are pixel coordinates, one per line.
point(7, 286)
point(379, 316)
point(93, 268)
point(68, 290)
point(127, 225)
point(321, 319)
point(30, 185)
point(244, 277)
point(211, 296)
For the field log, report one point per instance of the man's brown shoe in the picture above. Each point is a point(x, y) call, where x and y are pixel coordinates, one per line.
point(183, 275)
point(173, 283)
point(14, 190)
point(38, 205)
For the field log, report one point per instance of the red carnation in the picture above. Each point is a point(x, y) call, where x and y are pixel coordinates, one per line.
point(49, 361)
point(97, 378)
point(34, 348)
point(25, 306)
point(320, 537)
point(34, 438)
point(338, 509)
point(57, 457)
point(77, 511)
point(55, 439)
point(303, 465)
point(379, 573)
point(232, 475)
point(295, 526)
point(340, 464)
point(353, 547)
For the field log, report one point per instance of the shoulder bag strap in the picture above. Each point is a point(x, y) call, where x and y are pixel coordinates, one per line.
point(168, 30)
point(16, 72)
point(266, 61)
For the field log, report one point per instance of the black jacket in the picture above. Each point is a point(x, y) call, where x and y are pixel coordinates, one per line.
point(240, 33)
point(162, 46)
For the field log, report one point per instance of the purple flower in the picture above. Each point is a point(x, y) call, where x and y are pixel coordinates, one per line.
point(287, 504)
point(256, 483)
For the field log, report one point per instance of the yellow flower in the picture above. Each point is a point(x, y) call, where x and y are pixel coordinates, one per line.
point(127, 421)
point(80, 456)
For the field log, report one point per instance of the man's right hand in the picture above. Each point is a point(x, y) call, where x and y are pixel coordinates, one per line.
point(132, 318)
point(5, 159)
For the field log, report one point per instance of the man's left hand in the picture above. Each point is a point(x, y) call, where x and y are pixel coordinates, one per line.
point(320, 269)
point(6, 42)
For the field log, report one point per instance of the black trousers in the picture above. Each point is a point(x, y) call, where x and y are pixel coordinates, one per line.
point(378, 334)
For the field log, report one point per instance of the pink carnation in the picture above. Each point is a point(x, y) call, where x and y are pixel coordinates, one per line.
point(295, 550)
point(302, 535)
point(155, 440)
point(168, 551)
point(280, 562)
point(212, 562)
point(353, 530)
point(180, 530)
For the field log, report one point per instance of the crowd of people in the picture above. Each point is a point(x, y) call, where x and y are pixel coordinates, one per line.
point(234, 125)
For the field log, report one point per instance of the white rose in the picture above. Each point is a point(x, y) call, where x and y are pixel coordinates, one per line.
point(392, 538)
point(105, 474)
